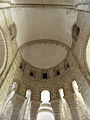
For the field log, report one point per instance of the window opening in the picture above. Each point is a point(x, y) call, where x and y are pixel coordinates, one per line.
point(45, 76)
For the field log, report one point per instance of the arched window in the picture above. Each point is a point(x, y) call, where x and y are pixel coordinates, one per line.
point(61, 93)
point(45, 96)
point(75, 87)
point(28, 93)
point(14, 86)
point(45, 111)
point(75, 31)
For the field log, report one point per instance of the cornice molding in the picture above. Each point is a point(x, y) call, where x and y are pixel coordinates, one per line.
point(32, 3)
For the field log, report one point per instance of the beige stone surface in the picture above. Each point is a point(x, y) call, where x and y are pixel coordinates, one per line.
point(39, 39)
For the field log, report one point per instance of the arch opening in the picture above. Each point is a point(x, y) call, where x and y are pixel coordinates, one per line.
point(45, 96)
point(45, 110)
point(61, 94)
point(2, 52)
point(88, 54)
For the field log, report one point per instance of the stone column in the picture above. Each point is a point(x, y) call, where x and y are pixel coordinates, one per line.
point(34, 109)
point(17, 103)
point(70, 99)
point(56, 109)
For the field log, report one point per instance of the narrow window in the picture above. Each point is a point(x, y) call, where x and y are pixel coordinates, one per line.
point(45, 76)
point(31, 74)
point(21, 66)
point(66, 65)
point(58, 72)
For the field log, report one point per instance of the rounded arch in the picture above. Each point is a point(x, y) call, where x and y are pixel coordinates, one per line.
point(28, 92)
point(45, 96)
point(14, 85)
point(32, 91)
point(84, 55)
point(88, 54)
point(61, 93)
point(5, 49)
point(75, 85)
point(41, 88)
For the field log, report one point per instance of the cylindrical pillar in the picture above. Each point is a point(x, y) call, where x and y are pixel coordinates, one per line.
point(17, 103)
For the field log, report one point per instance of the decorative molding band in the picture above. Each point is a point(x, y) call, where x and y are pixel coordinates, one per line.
point(45, 41)
point(9, 4)
point(45, 110)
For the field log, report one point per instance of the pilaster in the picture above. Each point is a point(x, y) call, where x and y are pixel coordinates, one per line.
point(70, 99)
point(34, 109)
point(56, 108)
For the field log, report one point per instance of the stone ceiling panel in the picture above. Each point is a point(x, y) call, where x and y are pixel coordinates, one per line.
point(42, 23)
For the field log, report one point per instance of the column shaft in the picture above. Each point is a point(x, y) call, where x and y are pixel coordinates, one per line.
point(17, 104)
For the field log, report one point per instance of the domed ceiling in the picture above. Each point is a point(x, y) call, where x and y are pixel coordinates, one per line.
point(43, 22)
point(44, 55)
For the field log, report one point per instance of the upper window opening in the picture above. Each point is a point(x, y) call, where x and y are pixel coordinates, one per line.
point(58, 72)
point(22, 66)
point(75, 31)
point(66, 65)
point(31, 74)
point(45, 76)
